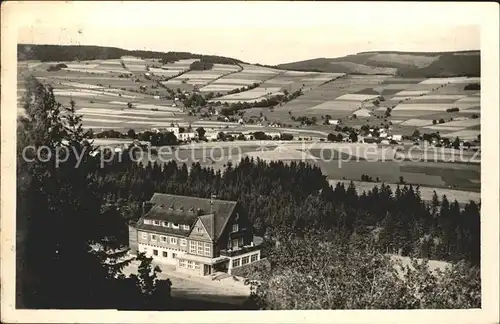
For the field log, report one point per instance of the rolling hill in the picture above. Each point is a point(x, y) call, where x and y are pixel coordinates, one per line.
point(405, 64)
point(58, 53)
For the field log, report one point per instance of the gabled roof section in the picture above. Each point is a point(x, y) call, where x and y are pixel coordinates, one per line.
point(214, 213)
point(208, 221)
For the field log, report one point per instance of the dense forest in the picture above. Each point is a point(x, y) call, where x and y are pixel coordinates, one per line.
point(63, 210)
point(297, 197)
point(57, 53)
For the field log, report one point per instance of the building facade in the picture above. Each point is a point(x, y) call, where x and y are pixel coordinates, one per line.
point(197, 235)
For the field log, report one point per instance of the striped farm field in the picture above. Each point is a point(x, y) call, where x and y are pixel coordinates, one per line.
point(254, 94)
point(464, 123)
point(127, 112)
point(453, 89)
point(81, 85)
point(417, 106)
point(236, 81)
point(465, 134)
point(181, 65)
point(411, 93)
point(444, 127)
point(163, 72)
point(154, 118)
point(218, 87)
point(450, 98)
point(356, 97)
point(463, 80)
point(408, 114)
point(397, 80)
point(299, 73)
point(225, 67)
point(209, 74)
point(469, 99)
point(416, 122)
point(327, 93)
point(82, 70)
point(82, 66)
point(474, 110)
point(399, 99)
point(279, 82)
point(336, 105)
point(90, 93)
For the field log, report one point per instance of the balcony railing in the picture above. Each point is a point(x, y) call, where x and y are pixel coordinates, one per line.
point(238, 251)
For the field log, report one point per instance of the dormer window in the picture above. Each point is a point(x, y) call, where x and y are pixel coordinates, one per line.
point(165, 224)
point(171, 207)
point(156, 222)
point(191, 209)
point(235, 227)
point(181, 208)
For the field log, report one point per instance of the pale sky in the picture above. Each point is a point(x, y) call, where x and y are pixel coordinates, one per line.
point(255, 32)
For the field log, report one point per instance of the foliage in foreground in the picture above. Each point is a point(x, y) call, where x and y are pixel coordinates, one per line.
point(310, 273)
point(68, 251)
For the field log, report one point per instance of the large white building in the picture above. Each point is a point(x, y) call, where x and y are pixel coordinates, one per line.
point(199, 236)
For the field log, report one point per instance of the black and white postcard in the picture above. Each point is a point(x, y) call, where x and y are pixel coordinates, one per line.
point(258, 161)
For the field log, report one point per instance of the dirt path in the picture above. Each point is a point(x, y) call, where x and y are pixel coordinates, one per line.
point(227, 291)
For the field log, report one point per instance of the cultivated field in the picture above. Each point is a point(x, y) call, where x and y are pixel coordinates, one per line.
point(103, 91)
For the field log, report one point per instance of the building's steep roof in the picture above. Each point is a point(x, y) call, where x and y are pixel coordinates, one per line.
point(208, 222)
point(174, 215)
point(186, 209)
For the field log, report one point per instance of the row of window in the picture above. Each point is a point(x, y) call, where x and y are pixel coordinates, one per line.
point(245, 260)
point(164, 239)
point(200, 248)
point(164, 254)
point(189, 264)
point(166, 224)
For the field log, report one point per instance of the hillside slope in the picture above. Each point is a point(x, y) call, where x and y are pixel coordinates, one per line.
point(58, 53)
point(406, 64)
